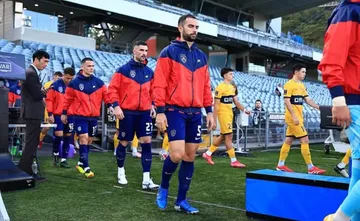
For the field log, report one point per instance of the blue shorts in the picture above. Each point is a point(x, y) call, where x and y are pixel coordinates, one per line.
point(135, 121)
point(66, 128)
point(86, 126)
point(353, 132)
point(184, 126)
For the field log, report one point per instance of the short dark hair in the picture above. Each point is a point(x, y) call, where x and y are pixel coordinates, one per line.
point(40, 54)
point(225, 71)
point(182, 19)
point(70, 71)
point(58, 73)
point(258, 100)
point(297, 67)
point(86, 59)
point(138, 43)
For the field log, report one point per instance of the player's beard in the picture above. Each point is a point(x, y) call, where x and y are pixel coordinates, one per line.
point(189, 38)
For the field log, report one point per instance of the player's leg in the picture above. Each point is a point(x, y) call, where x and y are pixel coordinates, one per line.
point(58, 137)
point(340, 168)
point(126, 134)
point(68, 132)
point(82, 129)
point(176, 132)
point(284, 152)
point(301, 133)
point(116, 135)
point(134, 147)
point(231, 152)
point(224, 129)
point(144, 129)
point(350, 208)
point(164, 152)
point(186, 171)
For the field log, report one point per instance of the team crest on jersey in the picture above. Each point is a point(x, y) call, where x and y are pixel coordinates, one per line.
point(285, 92)
point(7, 84)
point(173, 133)
point(216, 93)
point(81, 87)
point(132, 73)
point(17, 91)
point(61, 89)
point(183, 58)
point(123, 134)
point(79, 128)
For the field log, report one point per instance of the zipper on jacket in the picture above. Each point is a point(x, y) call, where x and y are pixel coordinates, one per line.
point(192, 87)
point(139, 97)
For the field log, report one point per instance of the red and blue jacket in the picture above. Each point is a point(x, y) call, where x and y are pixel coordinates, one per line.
point(85, 95)
point(130, 87)
point(14, 94)
point(340, 65)
point(181, 78)
point(55, 98)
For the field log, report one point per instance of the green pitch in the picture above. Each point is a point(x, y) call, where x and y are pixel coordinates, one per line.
point(218, 190)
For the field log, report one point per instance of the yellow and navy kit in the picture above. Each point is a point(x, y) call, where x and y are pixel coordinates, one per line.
point(297, 93)
point(225, 93)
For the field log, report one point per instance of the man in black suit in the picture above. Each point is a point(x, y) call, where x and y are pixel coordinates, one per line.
point(32, 109)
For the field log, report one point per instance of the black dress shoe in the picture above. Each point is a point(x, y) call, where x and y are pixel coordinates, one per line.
point(39, 178)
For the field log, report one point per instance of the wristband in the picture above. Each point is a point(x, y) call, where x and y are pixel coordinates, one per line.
point(339, 101)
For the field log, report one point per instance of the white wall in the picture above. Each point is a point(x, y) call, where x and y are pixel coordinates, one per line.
point(260, 22)
point(29, 34)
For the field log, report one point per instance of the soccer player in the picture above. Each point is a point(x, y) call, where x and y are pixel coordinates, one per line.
point(54, 103)
point(130, 95)
point(14, 94)
point(340, 168)
point(294, 95)
point(181, 88)
point(47, 85)
point(225, 96)
point(85, 94)
point(340, 67)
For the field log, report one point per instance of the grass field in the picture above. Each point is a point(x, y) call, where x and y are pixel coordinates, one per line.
point(218, 191)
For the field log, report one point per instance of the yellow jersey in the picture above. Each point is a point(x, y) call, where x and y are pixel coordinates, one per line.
point(296, 91)
point(226, 93)
point(46, 86)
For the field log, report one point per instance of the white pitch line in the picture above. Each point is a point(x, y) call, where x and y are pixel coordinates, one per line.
point(199, 202)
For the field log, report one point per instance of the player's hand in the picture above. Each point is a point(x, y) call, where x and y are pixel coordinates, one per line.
point(64, 119)
point(296, 120)
point(210, 121)
point(44, 91)
point(153, 112)
point(341, 116)
point(247, 112)
point(214, 125)
point(119, 113)
point(161, 122)
point(51, 119)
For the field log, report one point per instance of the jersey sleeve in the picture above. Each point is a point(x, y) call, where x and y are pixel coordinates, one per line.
point(218, 92)
point(288, 90)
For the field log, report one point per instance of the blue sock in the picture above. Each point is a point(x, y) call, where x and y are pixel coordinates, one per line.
point(84, 155)
point(146, 157)
point(168, 170)
point(56, 144)
point(120, 155)
point(351, 205)
point(185, 175)
point(65, 147)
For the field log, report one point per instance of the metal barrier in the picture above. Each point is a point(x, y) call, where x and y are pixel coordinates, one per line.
point(263, 130)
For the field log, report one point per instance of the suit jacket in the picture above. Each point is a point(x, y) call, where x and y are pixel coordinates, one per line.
point(32, 105)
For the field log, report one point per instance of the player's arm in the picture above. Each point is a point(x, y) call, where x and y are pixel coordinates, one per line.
point(289, 106)
point(115, 88)
point(310, 102)
point(160, 82)
point(69, 98)
point(216, 108)
point(335, 55)
point(207, 96)
point(288, 91)
point(49, 101)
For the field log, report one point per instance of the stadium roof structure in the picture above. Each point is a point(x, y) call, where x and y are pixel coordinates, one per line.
point(269, 8)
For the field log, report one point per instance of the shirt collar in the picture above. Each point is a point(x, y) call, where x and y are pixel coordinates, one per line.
point(37, 71)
